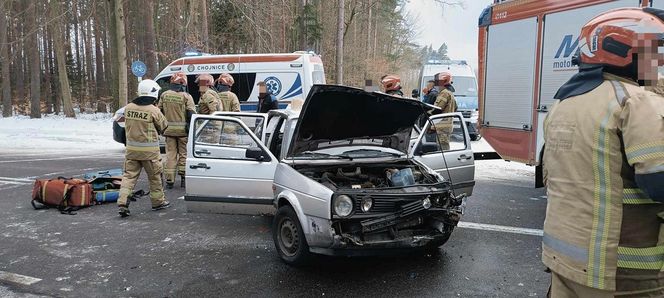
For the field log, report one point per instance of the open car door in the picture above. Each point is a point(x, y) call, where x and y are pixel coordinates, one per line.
point(458, 164)
point(229, 169)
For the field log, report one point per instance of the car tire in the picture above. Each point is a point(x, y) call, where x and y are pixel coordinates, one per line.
point(289, 237)
point(433, 246)
point(475, 137)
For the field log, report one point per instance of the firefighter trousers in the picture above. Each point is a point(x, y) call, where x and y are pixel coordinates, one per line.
point(564, 288)
point(132, 169)
point(176, 158)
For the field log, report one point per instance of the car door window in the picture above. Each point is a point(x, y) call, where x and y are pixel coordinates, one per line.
point(447, 132)
point(222, 139)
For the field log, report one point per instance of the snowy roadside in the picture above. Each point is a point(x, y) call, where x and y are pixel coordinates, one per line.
point(57, 134)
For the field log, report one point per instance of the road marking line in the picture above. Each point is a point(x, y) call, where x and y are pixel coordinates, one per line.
point(61, 158)
point(15, 180)
point(497, 228)
point(17, 278)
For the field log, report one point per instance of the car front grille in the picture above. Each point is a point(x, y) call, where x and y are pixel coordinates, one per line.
point(386, 205)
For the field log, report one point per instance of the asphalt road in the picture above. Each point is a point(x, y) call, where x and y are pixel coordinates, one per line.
point(178, 254)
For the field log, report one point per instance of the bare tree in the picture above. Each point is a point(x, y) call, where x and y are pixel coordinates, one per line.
point(122, 52)
point(58, 36)
point(341, 22)
point(5, 8)
point(34, 61)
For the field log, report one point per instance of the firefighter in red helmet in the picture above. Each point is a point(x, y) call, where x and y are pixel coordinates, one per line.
point(391, 84)
point(178, 106)
point(604, 163)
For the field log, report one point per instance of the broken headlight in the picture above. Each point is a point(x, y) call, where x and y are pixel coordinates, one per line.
point(343, 205)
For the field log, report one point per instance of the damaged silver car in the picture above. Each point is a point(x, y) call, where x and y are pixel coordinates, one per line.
point(346, 175)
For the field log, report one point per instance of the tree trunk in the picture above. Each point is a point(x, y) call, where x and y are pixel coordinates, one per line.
point(20, 58)
point(111, 60)
point(46, 83)
point(204, 26)
point(58, 36)
point(150, 43)
point(340, 43)
point(100, 77)
point(122, 53)
point(4, 59)
point(34, 61)
point(89, 66)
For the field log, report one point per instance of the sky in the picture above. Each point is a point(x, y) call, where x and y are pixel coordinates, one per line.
point(455, 26)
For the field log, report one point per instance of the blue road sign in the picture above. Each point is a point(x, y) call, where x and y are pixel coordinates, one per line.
point(138, 68)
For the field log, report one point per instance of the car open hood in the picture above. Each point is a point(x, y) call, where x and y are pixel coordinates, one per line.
point(334, 116)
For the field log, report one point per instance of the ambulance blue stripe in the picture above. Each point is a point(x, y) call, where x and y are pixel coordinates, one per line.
point(251, 107)
point(297, 86)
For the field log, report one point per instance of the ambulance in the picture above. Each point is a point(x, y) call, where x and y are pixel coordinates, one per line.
point(525, 55)
point(287, 76)
point(465, 85)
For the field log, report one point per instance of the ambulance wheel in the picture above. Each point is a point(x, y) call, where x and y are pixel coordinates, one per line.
point(289, 237)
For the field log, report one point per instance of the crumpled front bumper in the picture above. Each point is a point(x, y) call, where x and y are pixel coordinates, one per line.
point(410, 228)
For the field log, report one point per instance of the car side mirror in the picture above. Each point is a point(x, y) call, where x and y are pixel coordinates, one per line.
point(415, 93)
point(256, 153)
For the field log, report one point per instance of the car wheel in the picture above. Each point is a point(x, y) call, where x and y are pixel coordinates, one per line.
point(475, 137)
point(433, 246)
point(289, 237)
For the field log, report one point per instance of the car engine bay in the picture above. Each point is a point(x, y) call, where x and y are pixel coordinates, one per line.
point(372, 176)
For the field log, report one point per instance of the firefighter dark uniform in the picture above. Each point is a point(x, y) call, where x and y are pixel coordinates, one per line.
point(178, 108)
point(143, 125)
point(447, 103)
point(604, 152)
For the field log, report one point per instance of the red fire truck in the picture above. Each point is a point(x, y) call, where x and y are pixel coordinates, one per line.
point(525, 55)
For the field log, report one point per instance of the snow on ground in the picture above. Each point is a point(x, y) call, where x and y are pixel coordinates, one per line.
point(500, 171)
point(55, 133)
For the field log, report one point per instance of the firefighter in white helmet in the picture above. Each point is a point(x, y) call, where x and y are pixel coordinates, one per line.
point(144, 122)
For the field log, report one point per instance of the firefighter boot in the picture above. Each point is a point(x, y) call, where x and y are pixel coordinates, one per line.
point(182, 182)
point(169, 185)
point(123, 210)
point(163, 205)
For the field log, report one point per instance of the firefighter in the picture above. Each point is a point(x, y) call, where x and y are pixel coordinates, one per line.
point(209, 102)
point(229, 100)
point(178, 106)
point(391, 85)
point(143, 125)
point(446, 102)
point(604, 163)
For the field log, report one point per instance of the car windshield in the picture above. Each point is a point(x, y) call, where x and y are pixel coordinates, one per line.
point(465, 87)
